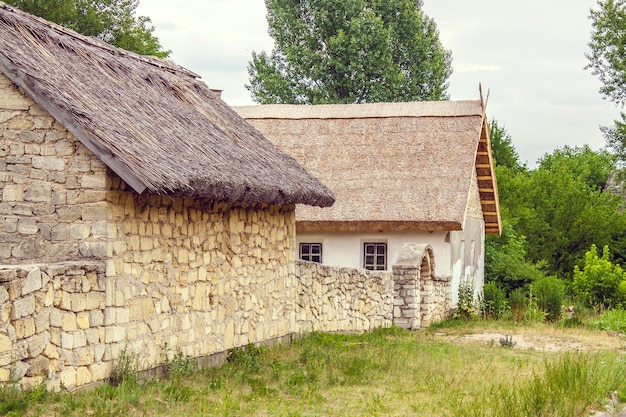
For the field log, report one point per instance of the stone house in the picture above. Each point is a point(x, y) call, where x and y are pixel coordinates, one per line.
point(402, 173)
point(137, 210)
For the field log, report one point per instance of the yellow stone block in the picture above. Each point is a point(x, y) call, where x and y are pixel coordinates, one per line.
point(147, 308)
point(82, 320)
point(183, 256)
point(5, 375)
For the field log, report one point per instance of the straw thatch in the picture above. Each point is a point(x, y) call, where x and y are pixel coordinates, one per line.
point(150, 120)
point(392, 166)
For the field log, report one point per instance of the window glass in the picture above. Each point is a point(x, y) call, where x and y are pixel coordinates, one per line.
point(311, 252)
point(375, 256)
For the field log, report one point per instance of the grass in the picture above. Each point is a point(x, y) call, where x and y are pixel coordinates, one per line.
point(387, 372)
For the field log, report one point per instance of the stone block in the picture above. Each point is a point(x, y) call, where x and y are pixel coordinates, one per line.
point(12, 100)
point(94, 181)
point(114, 334)
point(38, 192)
point(78, 301)
point(93, 336)
point(48, 163)
point(68, 377)
point(38, 366)
point(93, 249)
point(100, 371)
point(96, 318)
point(67, 340)
point(13, 192)
point(23, 307)
point(82, 320)
point(33, 281)
point(95, 212)
point(27, 226)
point(68, 321)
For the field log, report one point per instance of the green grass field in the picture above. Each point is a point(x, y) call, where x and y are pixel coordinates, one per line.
point(388, 372)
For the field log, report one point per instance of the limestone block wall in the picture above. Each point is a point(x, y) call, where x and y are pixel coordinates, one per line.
point(52, 188)
point(332, 299)
point(436, 300)
point(52, 324)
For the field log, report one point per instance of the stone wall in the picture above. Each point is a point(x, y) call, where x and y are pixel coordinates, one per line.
point(52, 187)
point(332, 299)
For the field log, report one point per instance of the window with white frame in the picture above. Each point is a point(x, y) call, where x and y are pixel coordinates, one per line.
point(311, 252)
point(375, 256)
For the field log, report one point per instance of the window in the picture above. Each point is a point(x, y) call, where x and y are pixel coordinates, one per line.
point(375, 256)
point(311, 252)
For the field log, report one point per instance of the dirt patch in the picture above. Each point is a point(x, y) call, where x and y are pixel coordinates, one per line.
point(556, 341)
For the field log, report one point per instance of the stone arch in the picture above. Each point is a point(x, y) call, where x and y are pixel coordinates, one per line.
point(427, 267)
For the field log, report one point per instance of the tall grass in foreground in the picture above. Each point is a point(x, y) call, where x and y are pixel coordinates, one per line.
point(566, 386)
point(387, 372)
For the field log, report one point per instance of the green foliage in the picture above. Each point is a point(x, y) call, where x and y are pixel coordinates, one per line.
point(493, 301)
point(613, 320)
point(502, 148)
point(126, 368)
point(113, 21)
point(349, 51)
point(607, 56)
point(600, 282)
point(179, 364)
point(505, 259)
point(15, 402)
point(466, 307)
point(561, 207)
point(517, 301)
point(549, 293)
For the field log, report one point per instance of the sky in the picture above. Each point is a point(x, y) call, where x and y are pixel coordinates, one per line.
point(529, 57)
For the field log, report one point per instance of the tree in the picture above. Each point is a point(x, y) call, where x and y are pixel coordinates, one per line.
point(607, 60)
point(562, 209)
point(607, 57)
point(502, 148)
point(113, 21)
point(600, 282)
point(349, 51)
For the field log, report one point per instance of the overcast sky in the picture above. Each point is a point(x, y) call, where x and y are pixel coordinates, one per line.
point(529, 55)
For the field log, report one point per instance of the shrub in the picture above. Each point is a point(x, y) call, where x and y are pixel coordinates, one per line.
point(517, 300)
point(550, 292)
point(613, 320)
point(600, 282)
point(493, 301)
point(466, 307)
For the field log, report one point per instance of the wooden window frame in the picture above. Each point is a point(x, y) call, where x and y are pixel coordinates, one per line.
point(307, 251)
point(372, 254)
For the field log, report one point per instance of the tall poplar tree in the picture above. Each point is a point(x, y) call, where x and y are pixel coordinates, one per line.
point(350, 51)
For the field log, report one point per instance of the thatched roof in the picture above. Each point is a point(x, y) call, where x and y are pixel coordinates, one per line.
point(392, 166)
point(151, 121)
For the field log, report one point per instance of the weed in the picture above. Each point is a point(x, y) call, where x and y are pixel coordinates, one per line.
point(613, 320)
point(517, 300)
point(179, 364)
point(507, 342)
point(466, 307)
point(125, 368)
point(14, 401)
point(493, 301)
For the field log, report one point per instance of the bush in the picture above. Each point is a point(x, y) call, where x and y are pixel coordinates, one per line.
point(517, 300)
point(466, 307)
point(613, 320)
point(600, 282)
point(550, 292)
point(493, 301)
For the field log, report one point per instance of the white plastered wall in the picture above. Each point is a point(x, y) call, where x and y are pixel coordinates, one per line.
point(346, 249)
